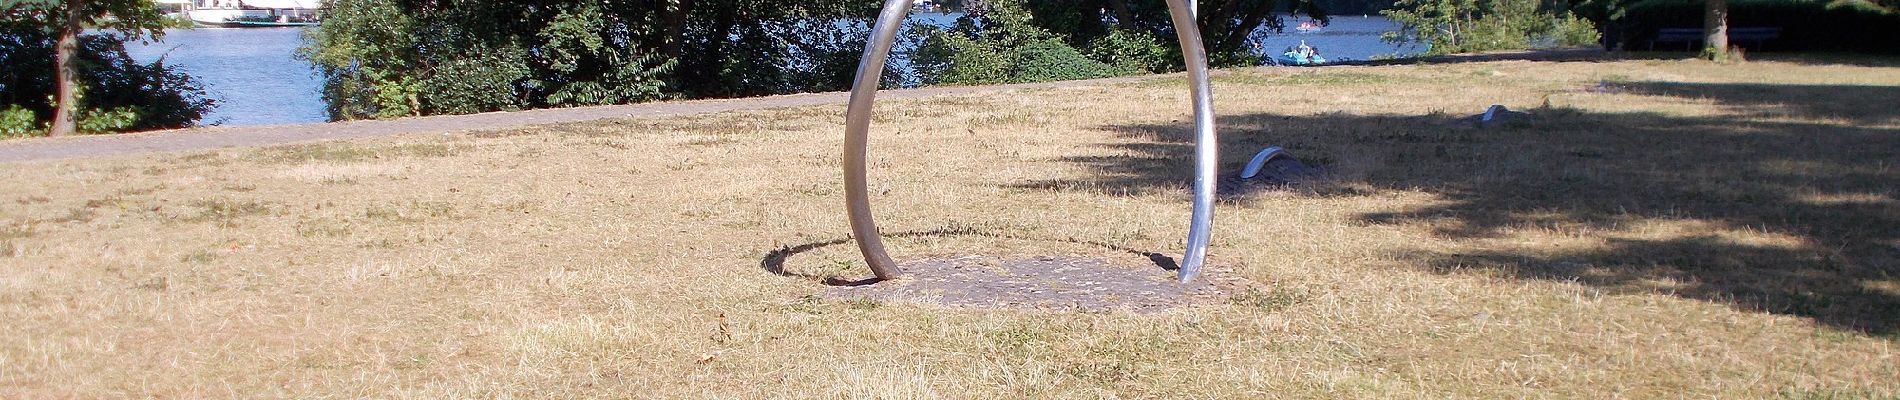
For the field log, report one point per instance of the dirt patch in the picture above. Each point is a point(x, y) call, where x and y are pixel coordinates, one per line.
point(1041, 283)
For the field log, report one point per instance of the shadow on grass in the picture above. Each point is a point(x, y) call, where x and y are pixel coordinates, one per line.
point(1849, 102)
point(774, 261)
point(1814, 200)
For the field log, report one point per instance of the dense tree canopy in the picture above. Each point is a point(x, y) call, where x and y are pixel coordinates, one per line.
point(385, 58)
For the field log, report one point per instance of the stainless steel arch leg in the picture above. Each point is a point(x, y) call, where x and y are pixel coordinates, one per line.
point(1206, 153)
point(864, 93)
point(857, 125)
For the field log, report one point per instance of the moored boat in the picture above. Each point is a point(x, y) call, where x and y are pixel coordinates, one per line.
point(249, 13)
point(1300, 55)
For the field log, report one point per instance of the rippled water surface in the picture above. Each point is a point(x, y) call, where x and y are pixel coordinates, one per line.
point(252, 72)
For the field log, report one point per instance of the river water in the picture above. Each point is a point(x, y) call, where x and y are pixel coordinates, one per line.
point(254, 75)
point(252, 72)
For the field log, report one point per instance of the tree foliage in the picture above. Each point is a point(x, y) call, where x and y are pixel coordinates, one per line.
point(1025, 41)
point(386, 58)
point(997, 43)
point(1226, 26)
point(1457, 26)
point(111, 91)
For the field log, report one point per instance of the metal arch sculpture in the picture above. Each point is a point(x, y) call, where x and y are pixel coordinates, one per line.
point(864, 93)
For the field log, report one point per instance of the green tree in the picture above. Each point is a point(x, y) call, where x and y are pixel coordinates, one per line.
point(1226, 26)
point(130, 19)
point(388, 58)
point(1457, 26)
point(1025, 41)
point(996, 42)
point(87, 83)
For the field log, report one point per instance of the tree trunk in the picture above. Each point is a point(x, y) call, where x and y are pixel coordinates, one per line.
point(673, 23)
point(66, 73)
point(1715, 30)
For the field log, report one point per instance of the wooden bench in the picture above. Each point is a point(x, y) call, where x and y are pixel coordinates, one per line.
point(1690, 36)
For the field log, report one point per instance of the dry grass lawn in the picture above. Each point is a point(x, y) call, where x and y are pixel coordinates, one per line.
point(1661, 229)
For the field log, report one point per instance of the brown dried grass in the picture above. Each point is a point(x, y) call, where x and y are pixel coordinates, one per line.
point(1662, 229)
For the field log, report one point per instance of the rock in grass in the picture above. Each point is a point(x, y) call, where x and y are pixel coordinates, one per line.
point(1495, 116)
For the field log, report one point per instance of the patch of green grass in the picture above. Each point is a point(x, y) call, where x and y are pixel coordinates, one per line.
point(341, 152)
point(863, 304)
point(198, 257)
point(225, 212)
point(302, 153)
point(15, 231)
point(430, 150)
point(82, 214)
point(1017, 338)
point(313, 227)
point(1273, 300)
point(202, 159)
point(1008, 118)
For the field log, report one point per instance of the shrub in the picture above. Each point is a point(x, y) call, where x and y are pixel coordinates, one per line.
point(107, 121)
point(1051, 60)
point(951, 58)
point(1000, 45)
point(1131, 52)
point(17, 121)
point(484, 81)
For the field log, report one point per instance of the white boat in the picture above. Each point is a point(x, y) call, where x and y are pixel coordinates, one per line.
point(249, 13)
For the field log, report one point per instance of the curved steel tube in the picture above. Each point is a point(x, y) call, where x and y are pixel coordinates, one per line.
point(1206, 153)
point(864, 92)
point(857, 126)
point(1260, 160)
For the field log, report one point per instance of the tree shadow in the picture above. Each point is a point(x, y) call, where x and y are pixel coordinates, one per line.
point(774, 261)
point(1849, 102)
point(1796, 214)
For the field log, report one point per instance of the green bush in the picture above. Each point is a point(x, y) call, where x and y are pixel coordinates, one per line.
point(1000, 45)
point(107, 121)
point(1839, 25)
point(482, 82)
point(952, 58)
point(1051, 60)
point(17, 122)
point(1131, 52)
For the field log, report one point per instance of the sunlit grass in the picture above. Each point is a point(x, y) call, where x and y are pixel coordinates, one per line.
point(1658, 229)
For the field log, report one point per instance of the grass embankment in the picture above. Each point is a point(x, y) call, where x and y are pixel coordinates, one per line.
point(1662, 229)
